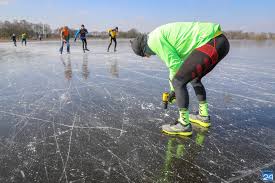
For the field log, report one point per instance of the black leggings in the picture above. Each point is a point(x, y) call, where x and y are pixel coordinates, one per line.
point(112, 39)
point(14, 42)
point(84, 43)
point(24, 41)
point(200, 62)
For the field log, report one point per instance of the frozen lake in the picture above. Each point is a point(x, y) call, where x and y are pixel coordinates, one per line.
point(96, 117)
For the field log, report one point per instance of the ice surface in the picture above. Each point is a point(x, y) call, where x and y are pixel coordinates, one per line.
point(96, 117)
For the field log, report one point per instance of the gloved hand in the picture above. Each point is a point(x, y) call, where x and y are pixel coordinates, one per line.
point(172, 97)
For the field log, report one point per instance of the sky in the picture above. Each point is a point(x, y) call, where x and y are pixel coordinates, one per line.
point(144, 15)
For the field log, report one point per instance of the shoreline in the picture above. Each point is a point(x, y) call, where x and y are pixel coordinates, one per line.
point(106, 39)
point(53, 39)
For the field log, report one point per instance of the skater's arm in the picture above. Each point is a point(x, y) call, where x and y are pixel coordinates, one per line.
point(76, 35)
point(86, 31)
point(109, 32)
point(168, 54)
point(61, 35)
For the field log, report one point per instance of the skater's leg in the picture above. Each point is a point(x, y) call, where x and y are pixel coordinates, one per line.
point(24, 42)
point(185, 74)
point(83, 44)
point(182, 126)
point(199, 89)
point(181, 92)
point(111, 41)
point(204, 59)
point(200, 62)
point(86, 45)
point(194, 69)
point(61, 48)
point(189, 70)
point(68, 46)
point(115, 44)
point(203, 117)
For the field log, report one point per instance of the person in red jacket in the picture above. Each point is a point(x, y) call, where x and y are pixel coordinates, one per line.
point(65, 39)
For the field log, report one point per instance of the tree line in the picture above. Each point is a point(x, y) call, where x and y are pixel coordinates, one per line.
point(33, 31)
point(8, 28)
point(249, 35)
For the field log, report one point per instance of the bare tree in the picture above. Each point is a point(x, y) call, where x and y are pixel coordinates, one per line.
point(19, 27)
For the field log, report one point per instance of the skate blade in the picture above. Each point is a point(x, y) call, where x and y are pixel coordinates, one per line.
point(186, 134)
point(201, 123)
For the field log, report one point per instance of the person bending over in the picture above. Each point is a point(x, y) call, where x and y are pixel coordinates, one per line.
point(65, 39)
point(190, 50)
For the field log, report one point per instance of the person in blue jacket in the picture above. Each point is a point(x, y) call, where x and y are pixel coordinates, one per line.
point(81, 33)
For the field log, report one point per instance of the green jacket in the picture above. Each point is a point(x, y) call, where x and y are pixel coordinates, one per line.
point(174, 42)
point(24, 36)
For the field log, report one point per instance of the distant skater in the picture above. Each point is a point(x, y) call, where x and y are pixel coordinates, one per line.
point(13, 38)
point(24, 39)
point(113, 34)
point(81, 33)
point(190, 50)
point(65, 39)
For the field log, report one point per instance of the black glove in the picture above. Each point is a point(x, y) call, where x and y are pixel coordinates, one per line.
point(172, 97)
